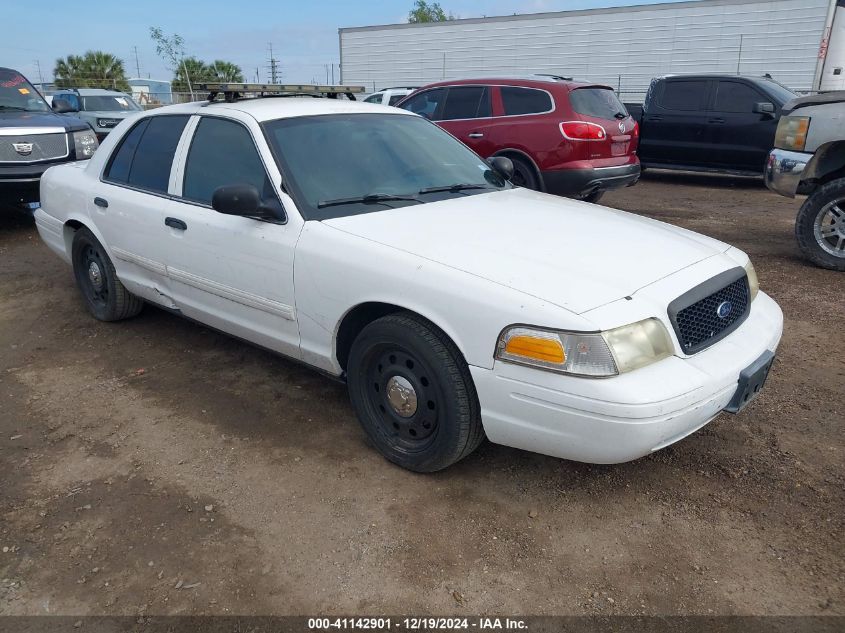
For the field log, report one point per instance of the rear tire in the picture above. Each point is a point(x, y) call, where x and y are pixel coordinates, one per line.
point(105, 297)
point(524, 174)
point(413, 393)
point(820, 226)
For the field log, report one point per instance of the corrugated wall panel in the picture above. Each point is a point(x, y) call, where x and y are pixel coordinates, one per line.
point(622, 47)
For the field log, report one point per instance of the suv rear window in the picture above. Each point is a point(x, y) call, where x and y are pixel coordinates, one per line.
point(525, 100)
point(601, 103)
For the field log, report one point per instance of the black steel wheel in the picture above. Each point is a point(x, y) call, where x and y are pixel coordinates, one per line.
point(106, 298)
point(524, 174)
point(413, 393)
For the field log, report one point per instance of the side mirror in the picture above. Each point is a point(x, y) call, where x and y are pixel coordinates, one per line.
point(763, 107)
point(243, 200)
point(62, 106)
point(502, 165)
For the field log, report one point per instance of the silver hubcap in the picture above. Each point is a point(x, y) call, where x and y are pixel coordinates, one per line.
point(829, 228)
point(401, 396)
point(94, 275)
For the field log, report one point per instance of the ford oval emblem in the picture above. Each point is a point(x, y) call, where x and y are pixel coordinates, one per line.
point(724, 309)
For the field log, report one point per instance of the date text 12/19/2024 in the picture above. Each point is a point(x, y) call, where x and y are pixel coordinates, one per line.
point(416, 624)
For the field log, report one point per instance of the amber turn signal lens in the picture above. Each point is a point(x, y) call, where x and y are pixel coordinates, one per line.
point(544, 349)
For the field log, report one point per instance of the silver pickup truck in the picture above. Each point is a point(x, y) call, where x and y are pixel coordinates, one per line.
point(809, 159)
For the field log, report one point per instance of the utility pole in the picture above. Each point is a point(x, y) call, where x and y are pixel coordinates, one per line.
point(332, 73)
point(739, 56)
point(137, 62)
point(257, 76)
point(40, 78)
point(326, 66)
point(274, 63)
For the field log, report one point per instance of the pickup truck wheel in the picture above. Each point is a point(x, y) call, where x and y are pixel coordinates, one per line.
point(106, 298)
point(523, 174)
point(413, 393)
point(820, 226)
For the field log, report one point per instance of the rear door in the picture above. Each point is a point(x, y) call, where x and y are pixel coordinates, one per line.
point(674, 128)
point(130, 203)
point(740, 137)
point(466, 115)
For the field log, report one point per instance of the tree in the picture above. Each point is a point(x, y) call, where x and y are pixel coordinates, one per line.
point(425, 12)
point(190, 72)
point(94, 69)
point(226, 72)
point(171, 48)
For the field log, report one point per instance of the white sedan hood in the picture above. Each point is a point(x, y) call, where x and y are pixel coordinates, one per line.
point(573, 254)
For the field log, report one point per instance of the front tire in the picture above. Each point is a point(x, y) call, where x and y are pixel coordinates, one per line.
point(413, 393)
point(820, 226)
point(105, 297)
point(524, 174)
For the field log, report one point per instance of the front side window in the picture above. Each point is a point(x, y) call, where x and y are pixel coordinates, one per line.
point(469, 102)
point(409, 161)
point(685, 96)
point(428, 104)
point(223, 153)
point(525, 100)
point(145, 154)
point(733, 96)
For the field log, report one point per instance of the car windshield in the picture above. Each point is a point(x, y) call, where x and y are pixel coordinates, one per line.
point(781, 92)
point(18, 95)
point(109, 103)
point(346, 164)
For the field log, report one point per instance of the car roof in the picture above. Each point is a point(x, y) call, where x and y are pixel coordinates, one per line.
point(544, 82)
point(270, 108)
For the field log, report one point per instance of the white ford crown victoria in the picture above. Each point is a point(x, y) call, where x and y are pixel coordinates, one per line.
point(370, 244)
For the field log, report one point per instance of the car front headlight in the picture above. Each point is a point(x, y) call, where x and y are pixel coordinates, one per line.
point(791, 133)
point(753, 282)
point(596, 354)
point(85, 142)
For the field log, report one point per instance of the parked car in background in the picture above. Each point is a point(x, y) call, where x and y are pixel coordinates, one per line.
point(390, 96)
point(455, 305)
point(101, 109)
point(564, 137)
point(35, 136)
point(809, 159)
point(721, 123)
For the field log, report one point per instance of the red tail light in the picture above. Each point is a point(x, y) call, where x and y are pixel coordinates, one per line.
point(582, 131)
point(636, 131)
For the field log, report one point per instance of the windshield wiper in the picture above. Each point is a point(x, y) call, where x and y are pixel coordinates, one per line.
point(455, 188)
point(370, 198)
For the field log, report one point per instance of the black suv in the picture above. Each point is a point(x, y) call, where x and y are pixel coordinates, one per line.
point(34, 136)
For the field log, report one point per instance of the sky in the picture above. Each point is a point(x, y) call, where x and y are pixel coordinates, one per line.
point(303, 33)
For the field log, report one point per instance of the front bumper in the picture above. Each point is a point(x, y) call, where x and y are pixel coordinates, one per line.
point(784, 170)
point(613, 420)
point(584, 181)
point(19, 183)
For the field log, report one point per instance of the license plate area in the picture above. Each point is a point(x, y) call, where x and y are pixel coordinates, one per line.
point(751, 381)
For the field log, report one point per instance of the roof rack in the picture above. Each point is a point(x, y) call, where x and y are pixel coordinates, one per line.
point(558, 77)
point(233, 92)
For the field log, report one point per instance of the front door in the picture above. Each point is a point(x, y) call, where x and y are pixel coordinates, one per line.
point(467, 115)
point(233, 273)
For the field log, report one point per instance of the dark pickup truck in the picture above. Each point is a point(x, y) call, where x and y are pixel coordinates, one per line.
point(34, 137)
point(721, 123)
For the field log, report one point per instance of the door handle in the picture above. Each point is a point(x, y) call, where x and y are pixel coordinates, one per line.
point(101, 202)
point(476, 135)
point(716, 120)
point(175, 223)
point(653, 117)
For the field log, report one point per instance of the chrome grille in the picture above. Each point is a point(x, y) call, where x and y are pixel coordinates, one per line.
point(708, 313)
point(30, 148)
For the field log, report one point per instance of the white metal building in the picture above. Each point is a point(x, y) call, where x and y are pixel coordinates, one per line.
point(796, 41)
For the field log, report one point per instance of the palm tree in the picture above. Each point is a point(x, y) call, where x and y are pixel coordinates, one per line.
point(197, 72)
point(94, 69)
point(226, 72)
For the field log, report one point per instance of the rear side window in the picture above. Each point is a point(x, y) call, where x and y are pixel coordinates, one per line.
point(145, 155)
point(683, 95)
point(525, 100)
point(429, 103)
point(223, 153)
point(470, 102)
point(376, 98)
point(733, 96)
point(601, 103)
point(121, 162)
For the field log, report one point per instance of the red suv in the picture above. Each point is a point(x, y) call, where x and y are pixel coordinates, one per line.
point(563, 137)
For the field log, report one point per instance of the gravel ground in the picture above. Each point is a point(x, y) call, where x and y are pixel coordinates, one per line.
point(156, 467)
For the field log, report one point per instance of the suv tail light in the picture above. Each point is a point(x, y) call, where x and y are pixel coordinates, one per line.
point(582, 131)
point(636, 131)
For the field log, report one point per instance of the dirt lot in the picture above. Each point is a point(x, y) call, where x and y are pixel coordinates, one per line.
point(154, 466)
